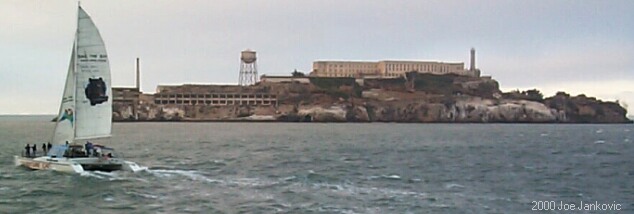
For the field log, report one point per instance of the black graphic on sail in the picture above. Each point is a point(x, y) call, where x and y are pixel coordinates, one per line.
point(96, 91)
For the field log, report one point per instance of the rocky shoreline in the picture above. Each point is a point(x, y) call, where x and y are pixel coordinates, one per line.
point(419, 98)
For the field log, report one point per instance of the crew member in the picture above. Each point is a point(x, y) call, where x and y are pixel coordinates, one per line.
point(88, 147)
point(34, 149)
point(28, 150)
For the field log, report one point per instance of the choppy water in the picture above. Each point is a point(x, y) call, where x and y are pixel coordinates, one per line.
point(330, 168)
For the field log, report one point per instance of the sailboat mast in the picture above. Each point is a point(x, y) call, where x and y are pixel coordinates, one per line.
point(75, 71)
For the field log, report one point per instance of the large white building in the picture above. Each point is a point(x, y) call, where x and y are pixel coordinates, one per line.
point(390, 68)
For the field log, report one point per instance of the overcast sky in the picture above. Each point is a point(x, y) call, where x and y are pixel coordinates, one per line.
point(575, 46)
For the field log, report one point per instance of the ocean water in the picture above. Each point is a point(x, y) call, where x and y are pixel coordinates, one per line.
point(330, 168)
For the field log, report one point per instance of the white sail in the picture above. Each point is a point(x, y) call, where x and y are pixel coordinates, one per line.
point(93, 92)
point(65, 124)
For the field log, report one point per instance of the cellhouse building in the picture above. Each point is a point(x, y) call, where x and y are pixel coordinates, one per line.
point(391, 68)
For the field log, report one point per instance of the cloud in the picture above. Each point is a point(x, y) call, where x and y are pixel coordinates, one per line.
point(566, 62)
point(522, 44)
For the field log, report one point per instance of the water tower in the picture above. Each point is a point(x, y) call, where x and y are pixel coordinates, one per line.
point(248, 68)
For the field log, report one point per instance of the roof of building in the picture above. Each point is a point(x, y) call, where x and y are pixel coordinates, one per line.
point(388, 60)
point(266, 76)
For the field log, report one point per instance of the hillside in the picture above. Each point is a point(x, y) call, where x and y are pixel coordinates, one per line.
point(414, 98)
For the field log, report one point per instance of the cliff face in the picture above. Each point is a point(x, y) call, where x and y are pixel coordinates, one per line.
point(421, 98)
point(582, 109)
point(466, 109)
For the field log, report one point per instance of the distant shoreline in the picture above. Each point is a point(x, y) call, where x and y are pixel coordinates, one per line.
point(357, 122)
point(50, 118)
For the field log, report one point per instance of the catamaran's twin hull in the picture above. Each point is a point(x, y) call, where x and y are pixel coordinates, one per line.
point(77, 165)
point(98, 164)
point(47, 163)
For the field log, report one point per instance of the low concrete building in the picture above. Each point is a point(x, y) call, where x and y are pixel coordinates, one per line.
point(212, 95)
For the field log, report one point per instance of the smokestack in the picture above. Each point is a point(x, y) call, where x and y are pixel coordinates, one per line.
point(138, 75)
point(473, 66)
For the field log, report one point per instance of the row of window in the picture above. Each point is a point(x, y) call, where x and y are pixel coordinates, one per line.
point(400, 67)
point(216, 102)
point(352, 66)
point(339, 75)
point(390, 68)
point(389, 74)
point(357, 71)
point(229, 96)
point(399, 74)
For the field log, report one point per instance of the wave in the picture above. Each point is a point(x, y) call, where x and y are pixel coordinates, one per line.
point(454, 186)
point(168, 173)
point(310, 182)
point(143, 195)
point(386, 177)
point(92, 174)
point(113, 176)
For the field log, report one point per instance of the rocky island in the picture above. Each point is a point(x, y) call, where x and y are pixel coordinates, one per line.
point(411, 98)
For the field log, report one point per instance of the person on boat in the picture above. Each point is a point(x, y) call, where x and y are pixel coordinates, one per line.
point(88, 147)
point(28, 150)
point(44, 148)
point(34, 149)
point(49, 146)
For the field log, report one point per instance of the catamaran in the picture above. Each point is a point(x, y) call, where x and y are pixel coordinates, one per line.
point(85, 112)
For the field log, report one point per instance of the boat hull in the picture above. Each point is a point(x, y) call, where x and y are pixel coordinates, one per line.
point(102, 167)
point(48, 163)
point(77, 165)
point(99, 164)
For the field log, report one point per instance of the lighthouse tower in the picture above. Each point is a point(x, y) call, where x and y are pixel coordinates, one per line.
point(473, 65)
